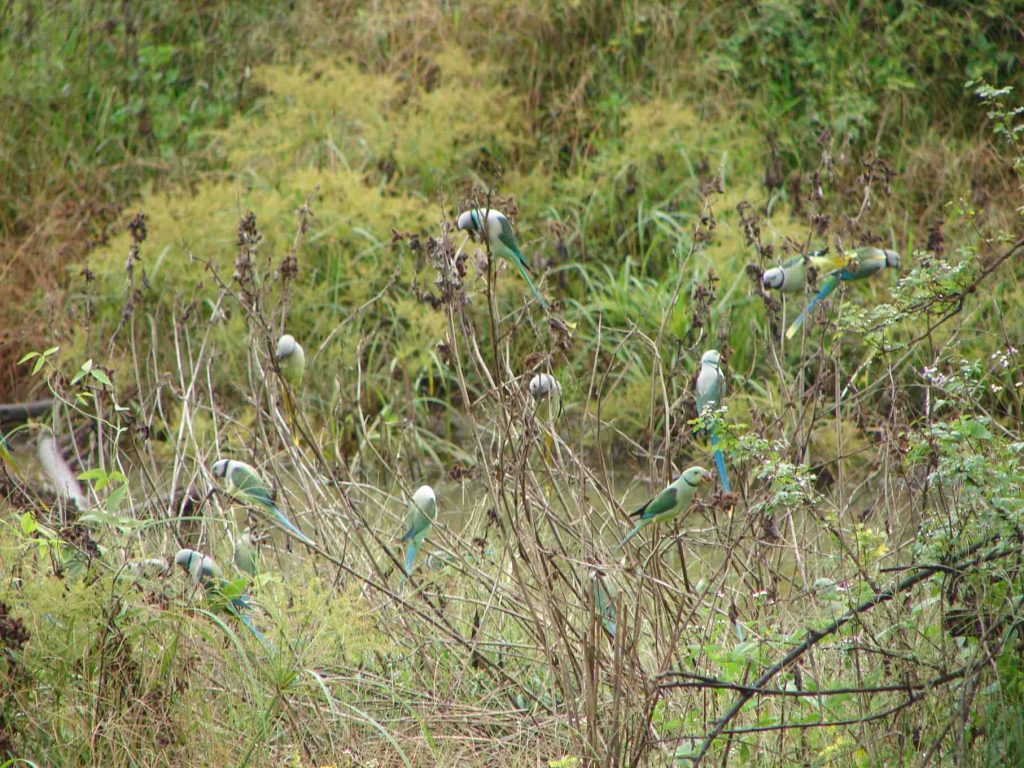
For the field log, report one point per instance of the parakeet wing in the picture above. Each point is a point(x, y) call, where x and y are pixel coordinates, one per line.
point(508, 238)
point(827, 287)
point(247, 482)
point(659, 505)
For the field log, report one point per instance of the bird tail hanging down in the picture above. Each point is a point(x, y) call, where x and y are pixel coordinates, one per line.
point(248, 622)
point(605, 606)
point(288, 400)
point(411, 549)
point(630, 535)
point(290, 527)
point(521, 266)
point(720, 463)
point(823, 293)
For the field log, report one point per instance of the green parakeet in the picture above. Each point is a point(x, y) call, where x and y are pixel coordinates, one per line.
point(244, 554)
point(501, 239)
point(245, 483)
point(671, 501)
point(710, 388)
point(791, 277)
point(419, 519)
point(291, 359)
point(205, 572)
point(864, 262)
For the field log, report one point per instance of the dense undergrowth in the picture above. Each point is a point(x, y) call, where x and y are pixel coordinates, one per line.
point(184, 183)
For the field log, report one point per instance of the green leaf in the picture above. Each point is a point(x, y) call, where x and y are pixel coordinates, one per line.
point(116, 498)
point(28, 356)
point(234, 588)
point(102, 378)
point(29, 524)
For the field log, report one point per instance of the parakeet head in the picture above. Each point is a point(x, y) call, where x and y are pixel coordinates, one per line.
point(470, 221)
point(544, 384)
point(424, 499)
point(773, 278)
point(892, 259)
point(695, 476)
point(186, 557)
point(711, 357)
point(220, 468)
point(286, 347)
point(473, 221)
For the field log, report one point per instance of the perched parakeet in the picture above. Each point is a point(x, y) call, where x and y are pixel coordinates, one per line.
point(791, 277)
point(420, 517)
point(245, 483)
point(500, 239)
point(245, 556)
point(710, 388)
point(291, 359)
point(604, 602)
point(863, 262)
point(205, 572)
point(544, 386)
point(671, 501)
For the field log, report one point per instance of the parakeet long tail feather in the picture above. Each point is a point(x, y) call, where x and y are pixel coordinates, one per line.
point(720, 464)
point(827, 287)
point(630, 535)
point(521, 266)
point(410, 555)
point(290, 414)
point(290, 527)
point(247, 620)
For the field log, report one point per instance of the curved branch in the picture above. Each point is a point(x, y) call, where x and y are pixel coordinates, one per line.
point(962, 560)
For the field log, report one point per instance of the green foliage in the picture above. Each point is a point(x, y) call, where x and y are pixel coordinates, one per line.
point(118, 669)
point(654, 158)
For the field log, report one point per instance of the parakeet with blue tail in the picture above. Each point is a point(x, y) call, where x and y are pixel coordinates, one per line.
point(863, 263)
point(245, 484)
point(205, 572)
point(710, 388)
point(604, 602)
point(676, 497)
point(501, 239)
point(419, 519)
point(791, 277)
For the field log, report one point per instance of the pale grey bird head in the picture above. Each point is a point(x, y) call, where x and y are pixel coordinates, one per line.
point(893, 260)
point(196, 564)
point(286, 347)
point(424, 499)
point(711, 357)
point(543, 385)
point(220, 467)
point(187, 557)
point(470, 221)
point(773, 278)
point(473, 222)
